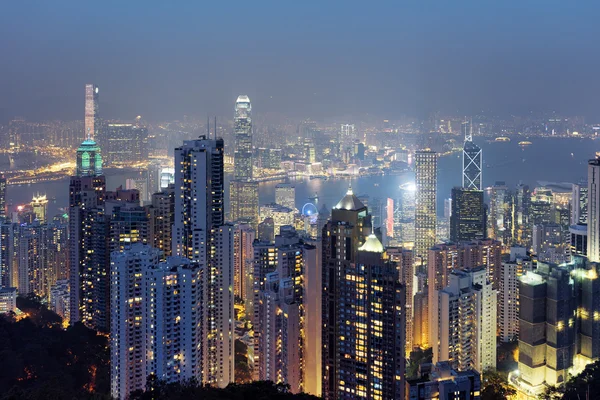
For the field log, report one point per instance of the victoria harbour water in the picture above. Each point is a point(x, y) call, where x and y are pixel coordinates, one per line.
point(546, 159)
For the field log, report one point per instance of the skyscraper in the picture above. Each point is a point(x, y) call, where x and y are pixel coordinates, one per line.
point(282, 345)
point(161, 215)
point(467, 221)
point(92, 120)
point(243, 191)
point(88, 278)
point(40, 208)
point(124, 143)
point(426, 197)
point(199, 234)
point(464, 321)
point(243, 257)
point(593, 220)
point(156, 323)
point(359, 283)
point(199, 183)
point(242, 125)
point(243, 202)
point(3, 210)
point(579, 204)
point(471, 177)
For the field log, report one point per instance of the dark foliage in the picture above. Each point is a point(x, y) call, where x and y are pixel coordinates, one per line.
point(41, 360)
point(585, 384)
point(495, 387)
point(262, 390)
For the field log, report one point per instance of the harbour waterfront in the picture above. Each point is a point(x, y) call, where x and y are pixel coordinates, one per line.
point(546, 159)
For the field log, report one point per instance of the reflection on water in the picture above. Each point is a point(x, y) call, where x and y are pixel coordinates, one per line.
point(558, 160)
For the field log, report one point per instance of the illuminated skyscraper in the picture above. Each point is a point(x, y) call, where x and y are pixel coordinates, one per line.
point(199, 234)
point(242, 125)
point(3, 210)
point(243, 202)
point(243, 192)
point(124, 143)
point(360, 282)
point(155, 326)
point(92, 120)
point(426, 198)
point(89, 159)
point(579, 204)
point(593, 211)
point(471, 178)
point(280, 318)
point(464, 321)
point(467, 221)
point(40, 208)
point(199, 183)
point(161, 215)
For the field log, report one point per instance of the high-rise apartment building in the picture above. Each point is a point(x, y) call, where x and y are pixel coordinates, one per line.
point(426, 197)
point(508, 292)
point(243, 257)
point(92, 119)
point(405, 264)
point(593, 210)
point(199, 181)
point(156, 323)
point(464, 322)
point(283, 348)
point(3, 209)
point(467, 220)
point(199, 234)
point(161, 215)
point(360, 282)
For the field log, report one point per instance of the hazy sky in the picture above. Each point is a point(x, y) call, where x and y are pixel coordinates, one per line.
point(301, 58)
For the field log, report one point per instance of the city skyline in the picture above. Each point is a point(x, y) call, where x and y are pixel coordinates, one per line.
point(397, 202)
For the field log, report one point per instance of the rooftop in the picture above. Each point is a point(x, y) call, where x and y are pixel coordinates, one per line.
point(372, 244)
point(350, 202)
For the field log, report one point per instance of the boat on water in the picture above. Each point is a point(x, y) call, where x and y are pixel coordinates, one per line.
point(322, 177)
point(525, 143)
point(502, 139)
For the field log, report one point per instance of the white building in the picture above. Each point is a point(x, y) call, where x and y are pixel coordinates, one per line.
point(59, 298)
point(155, 321)
point(8, 300)
point(281, 215)
point(508, 292)
point(465, 334)
point(593, 211)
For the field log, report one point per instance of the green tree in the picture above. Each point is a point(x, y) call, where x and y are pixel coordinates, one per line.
point(495, 386)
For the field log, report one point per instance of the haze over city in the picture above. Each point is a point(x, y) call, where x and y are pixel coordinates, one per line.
point(305, 59)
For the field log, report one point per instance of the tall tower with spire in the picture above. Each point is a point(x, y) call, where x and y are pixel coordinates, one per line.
point(471, 175)
point(362, 309)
